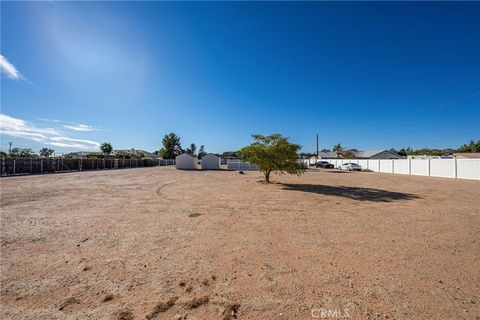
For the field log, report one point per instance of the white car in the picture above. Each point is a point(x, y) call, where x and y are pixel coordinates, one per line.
point(350, 167)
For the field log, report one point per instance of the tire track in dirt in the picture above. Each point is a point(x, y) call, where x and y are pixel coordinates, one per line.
point(160, 190)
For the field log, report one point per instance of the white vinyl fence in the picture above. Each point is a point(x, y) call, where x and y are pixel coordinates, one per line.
point(445, 168)
point(240, 165)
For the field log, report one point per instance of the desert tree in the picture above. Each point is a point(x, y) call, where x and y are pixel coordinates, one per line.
point(471, 147)
point(162, 153)
point(46, 152)
point(337, 148)
point(202, 152)
point(171, 146)
point(192, 149)
point(22, 153)
point(106, 148)
point(273, 153)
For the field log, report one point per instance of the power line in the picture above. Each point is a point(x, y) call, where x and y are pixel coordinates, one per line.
point(450, 102)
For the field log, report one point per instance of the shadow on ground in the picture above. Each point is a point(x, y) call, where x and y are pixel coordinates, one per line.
point(334, 171)
point(355, 193)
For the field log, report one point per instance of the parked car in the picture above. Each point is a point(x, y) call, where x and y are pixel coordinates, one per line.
point(350, 167)
point(324, 164)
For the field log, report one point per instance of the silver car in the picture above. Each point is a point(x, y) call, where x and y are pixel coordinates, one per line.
point(350, 166)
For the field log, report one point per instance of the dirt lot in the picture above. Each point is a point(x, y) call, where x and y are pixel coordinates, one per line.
point(157, 243)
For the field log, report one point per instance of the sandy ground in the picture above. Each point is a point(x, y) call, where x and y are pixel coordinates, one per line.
point(157, 243)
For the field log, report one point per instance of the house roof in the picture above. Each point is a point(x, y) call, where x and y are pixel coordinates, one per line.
point(368, 153)
point(327, 155)
point(467, 155)
point(358, 154)
point(230, 154)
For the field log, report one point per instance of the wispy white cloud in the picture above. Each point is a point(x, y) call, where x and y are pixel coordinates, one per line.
point(73, 143)
point(81, 127)
point(19, 128)
point(50, 120)
point(9, 69)
point(73, 126)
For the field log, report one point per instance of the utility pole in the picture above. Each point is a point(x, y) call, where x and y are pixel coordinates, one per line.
point(10, 147)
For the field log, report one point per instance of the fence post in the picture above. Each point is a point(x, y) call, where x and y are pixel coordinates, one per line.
point(31, 165)
point(455, 165)
point(14, 160)
point(393, 166)
point(429, 167)
point(41, 165)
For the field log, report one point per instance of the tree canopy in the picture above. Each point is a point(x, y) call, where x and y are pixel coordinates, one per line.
point(192, 149)
point(202, 152)
point(133, 154)
point(471, 147)
point(106, 148)
point(273, 153)
point(337, 148)
point(22, 153)
point(171, 146)
point(46, 152)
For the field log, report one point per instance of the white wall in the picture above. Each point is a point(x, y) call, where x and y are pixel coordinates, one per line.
point(363, 163)
point(239, 165)
point(442, 168)
point(468, 169)
point(445, 168)
point(401, 166)
point(374, 165)
point(386, 166)
point(419, 167)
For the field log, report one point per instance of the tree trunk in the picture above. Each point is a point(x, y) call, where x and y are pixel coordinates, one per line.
point(267, 176)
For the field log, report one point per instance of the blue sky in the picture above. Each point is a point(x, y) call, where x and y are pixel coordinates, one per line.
point(369, 75)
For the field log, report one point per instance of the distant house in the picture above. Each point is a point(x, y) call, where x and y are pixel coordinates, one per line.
point(327, 155)
point(186, 161)
point(467, 155)
point(229, 155)
point(233, 155)
point(426, 157)
point(376, 154)
point(312, 157)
